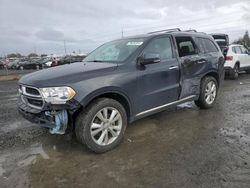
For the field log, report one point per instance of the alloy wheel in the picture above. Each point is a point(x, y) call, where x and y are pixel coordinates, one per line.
point(210, 92)
point(106, 126)
point(236, 71)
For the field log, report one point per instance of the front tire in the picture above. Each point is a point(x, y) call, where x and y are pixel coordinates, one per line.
point(208, 93)
point(101, 125)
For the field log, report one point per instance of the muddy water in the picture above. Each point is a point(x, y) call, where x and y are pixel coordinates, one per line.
point(182, 147)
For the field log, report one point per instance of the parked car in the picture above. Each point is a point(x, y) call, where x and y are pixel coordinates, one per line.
point(11, 63)
point(223, 41)
point(123, 81)
point(237, 59)
point(67, 60)
point(21, 64)
point(27, 64)
point(2, 64)
point(47, 62)
point(14, 64)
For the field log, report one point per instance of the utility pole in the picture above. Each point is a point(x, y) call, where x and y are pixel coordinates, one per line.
point(64, 44)
point(122, 32)
point(35, 48)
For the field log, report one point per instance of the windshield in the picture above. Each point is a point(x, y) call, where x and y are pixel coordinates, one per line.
point(115, 51)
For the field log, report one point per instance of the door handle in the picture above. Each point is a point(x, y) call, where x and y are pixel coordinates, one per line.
point(173, 67)
point(201, 61)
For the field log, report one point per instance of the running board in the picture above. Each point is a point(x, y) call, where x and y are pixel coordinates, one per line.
point(162, 107)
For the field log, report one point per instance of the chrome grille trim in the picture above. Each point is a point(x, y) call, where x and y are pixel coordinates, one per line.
point(24, 96)
point(23, 89)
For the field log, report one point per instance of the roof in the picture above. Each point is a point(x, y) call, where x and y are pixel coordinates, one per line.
point(175, 31)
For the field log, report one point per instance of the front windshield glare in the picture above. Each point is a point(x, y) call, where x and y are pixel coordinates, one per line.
point(115, 51)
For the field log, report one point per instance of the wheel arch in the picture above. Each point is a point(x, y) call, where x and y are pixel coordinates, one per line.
point(213, 74)
point(237, 63)
point(112, 94)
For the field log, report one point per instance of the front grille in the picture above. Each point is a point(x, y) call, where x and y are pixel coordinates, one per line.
point(35, 102)
point(32, 91)
point(31, 97)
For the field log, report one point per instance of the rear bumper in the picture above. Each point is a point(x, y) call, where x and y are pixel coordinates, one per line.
point(228, 70)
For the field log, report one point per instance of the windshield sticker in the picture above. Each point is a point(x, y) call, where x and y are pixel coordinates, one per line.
point(134, 43)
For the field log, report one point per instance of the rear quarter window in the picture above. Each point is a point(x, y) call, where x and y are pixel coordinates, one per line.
point(238, 50)
point(206, 45)
point(234, 50)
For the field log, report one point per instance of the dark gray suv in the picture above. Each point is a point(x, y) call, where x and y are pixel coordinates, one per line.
point(123, 81)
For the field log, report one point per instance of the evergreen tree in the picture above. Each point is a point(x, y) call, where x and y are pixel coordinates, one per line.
point(246, 40)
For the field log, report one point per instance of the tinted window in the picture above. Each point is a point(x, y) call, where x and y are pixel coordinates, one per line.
point(233, 49)
point(185, 46)
point(209, 46)
point(161, 46)
point(206, 45)
point(201, 45)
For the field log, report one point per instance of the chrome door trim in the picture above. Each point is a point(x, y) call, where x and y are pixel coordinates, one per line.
point(166, 105)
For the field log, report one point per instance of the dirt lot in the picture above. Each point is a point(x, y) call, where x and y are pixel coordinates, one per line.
point(183, 147)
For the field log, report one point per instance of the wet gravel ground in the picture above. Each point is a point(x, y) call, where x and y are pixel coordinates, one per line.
point(181, 147)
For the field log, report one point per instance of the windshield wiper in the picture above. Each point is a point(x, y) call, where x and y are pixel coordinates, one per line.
point(96, 60)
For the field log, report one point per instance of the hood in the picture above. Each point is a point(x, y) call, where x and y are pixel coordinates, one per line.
point(66, 74)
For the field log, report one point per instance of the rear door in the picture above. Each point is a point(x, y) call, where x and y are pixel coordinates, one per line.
point(241, 56)
point(192, 65)
point(246, 56)
point(158, 84)
point(215, 59)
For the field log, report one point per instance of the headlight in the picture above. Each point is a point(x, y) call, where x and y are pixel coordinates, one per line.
point(57, 95)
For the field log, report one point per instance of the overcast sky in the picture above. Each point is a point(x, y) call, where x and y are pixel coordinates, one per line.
point(42, 25)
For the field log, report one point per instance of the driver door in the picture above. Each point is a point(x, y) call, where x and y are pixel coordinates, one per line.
point(158, 83)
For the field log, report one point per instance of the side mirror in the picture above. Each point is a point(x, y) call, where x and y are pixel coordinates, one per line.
point(149, 59)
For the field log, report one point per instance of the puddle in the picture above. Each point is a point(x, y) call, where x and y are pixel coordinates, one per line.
point(39, 151)
point(12, 161)
point(29, 160)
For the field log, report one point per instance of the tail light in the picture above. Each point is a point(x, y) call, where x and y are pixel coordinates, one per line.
point(229, 58)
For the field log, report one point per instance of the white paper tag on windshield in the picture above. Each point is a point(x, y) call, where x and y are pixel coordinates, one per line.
point(134, 43)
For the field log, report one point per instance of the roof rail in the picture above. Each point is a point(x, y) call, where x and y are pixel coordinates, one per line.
point(165, 31)
point(190, 30)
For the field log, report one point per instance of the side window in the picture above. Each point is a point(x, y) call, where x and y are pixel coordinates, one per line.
point(234, 50)
point(238, 50)
point(200, 45)
point(244, 50)
point(209, 46)
point(161, 46)
point(185, 46)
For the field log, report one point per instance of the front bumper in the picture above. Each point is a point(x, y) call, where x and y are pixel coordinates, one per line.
point(45, 117)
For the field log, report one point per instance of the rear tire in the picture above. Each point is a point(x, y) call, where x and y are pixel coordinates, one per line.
point(208, 93)
point(235, 72)
point(95, 128)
